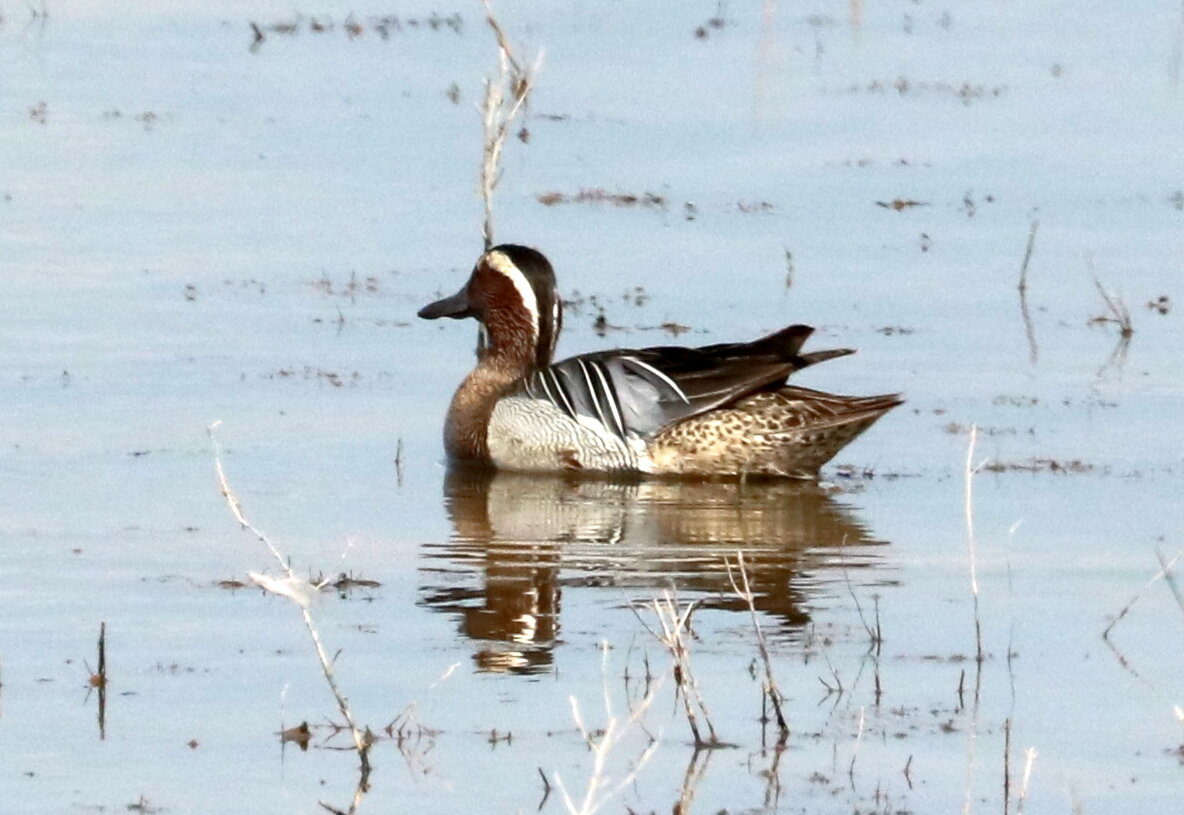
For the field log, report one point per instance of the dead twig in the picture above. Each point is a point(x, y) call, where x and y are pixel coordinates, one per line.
point(971, 469)
point(672, 622)
point(601, 743)
point(300, 592)
point(1116, 312)
point(504, 99)
point(1029, 760)
point(1164, 571)
point(769, 686)
point(1023, 288)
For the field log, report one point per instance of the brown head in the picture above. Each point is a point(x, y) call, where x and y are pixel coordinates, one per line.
point(512, 293)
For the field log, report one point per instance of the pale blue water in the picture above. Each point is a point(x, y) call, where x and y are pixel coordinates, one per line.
point(165, 271)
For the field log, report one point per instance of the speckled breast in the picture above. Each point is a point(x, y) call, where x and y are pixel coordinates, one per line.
point(534, 435)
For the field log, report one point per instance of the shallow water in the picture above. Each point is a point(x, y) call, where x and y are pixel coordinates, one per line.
point(197, 232)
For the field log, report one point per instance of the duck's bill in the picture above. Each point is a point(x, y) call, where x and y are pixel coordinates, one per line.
point(456, 307)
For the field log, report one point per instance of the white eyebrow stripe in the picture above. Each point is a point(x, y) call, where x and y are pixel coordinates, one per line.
point(673, 385)
point(500, 262)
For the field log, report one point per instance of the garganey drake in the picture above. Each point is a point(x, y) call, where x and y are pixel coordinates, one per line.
point(718, 410)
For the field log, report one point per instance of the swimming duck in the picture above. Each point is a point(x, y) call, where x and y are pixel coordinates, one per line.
point(717, 410)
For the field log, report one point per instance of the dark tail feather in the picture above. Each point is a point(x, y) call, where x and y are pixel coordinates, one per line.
point(780, 345)
point(786, 344)
point(814, 357)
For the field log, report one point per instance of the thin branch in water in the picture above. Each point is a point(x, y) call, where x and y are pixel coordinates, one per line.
point(601, 744)
point(1164, 570)
point(1007, 765)
point(672, 623)
point(1029, 760)
point(970, 542)
point(696, 769)
point(1023, 285)
point(1029, 329)
point(399, 462)
point(504, 99)
point(1116, 312)
point(1170, 579)
point(772, 691)
point(972, 730)
point(858, 744)
point(300, 592)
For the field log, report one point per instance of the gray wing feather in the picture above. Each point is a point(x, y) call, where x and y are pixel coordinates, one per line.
point(637, 393)
point(626, 396)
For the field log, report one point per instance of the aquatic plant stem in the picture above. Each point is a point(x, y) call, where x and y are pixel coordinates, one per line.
point(772, 691)
point(970, 543)
point(361, 740)
point(972, 730)
point(602, 742)
point(497, 115)
point(1029, 759)
point(673, 623)
point(1033, 350)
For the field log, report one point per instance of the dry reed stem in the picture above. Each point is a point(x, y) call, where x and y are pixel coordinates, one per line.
point(497, 114)
point(361, 740)
point(1119, 314)
point(858, 744)
point(1006, 765)
point(1029, 760)
point(600, 788)
point(1164, 571)
point(771, 690)
point(696, 769)
point(972, 730)
point(1023, 287)
point(971, 469)
point(1170, 579)
point(672, 624)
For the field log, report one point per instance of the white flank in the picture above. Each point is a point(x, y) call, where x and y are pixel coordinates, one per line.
point(501, 263)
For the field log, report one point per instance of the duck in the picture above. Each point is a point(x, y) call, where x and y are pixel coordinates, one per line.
point(716, 411)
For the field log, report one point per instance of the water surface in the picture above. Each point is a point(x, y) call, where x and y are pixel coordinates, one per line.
point(194, 231)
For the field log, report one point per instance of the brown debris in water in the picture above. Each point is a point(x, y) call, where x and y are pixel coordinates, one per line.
point(1041, 465)
point(600, 196)
point(900, 204)
point(353, 27)
point(1161, 304)
point(299, 735)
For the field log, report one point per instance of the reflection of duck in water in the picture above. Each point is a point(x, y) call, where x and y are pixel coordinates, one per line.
point(519, 539)
point(719, 410)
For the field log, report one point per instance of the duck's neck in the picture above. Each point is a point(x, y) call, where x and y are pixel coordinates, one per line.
point(500, 367)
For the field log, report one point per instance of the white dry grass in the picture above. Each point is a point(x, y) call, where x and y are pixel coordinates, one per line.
point(505, 97)
point(602, 742)
point(771, 690)
point(300, 592)
point(673, 620)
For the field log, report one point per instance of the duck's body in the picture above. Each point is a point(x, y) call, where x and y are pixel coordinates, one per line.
point(719, 410)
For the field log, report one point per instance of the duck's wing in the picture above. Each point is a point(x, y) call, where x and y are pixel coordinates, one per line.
point(639, 392)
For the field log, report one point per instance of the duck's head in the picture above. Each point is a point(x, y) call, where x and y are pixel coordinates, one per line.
point(512, 293)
